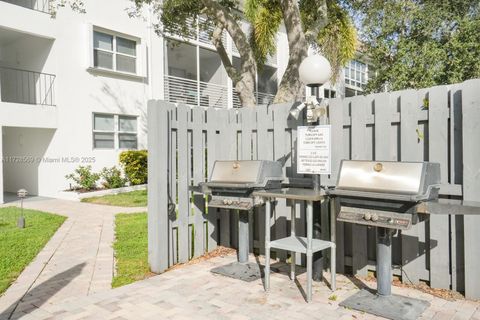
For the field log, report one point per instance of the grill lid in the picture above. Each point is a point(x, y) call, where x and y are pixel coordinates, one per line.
point(402, 181)
point(245, 174)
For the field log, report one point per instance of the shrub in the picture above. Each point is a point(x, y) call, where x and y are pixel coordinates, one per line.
point(112, 178)
point(135, 166)
point(84, 178)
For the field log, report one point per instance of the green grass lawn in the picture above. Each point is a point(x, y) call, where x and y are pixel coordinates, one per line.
point(131, 249)
point(136, 198)
point(18, 247)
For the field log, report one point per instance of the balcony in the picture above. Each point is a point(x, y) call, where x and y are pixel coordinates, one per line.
point(196, 93)
point(27, 87)
point(262, 98)
point(28, 18)
point(204, 94)
point(37, 5)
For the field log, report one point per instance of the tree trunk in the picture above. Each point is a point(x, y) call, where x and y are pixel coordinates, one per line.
point(243, 79)
point(291, 88)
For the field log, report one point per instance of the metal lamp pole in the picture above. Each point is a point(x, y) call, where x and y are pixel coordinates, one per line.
point(314, 71)
point(21, 194)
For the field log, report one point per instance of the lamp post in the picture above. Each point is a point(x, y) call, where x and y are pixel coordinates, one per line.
point(315, 71)
point(21, 194)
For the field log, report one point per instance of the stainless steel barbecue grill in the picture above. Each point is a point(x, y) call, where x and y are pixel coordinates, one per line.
point(232, 182)
point(386, 195)
point(230, 187)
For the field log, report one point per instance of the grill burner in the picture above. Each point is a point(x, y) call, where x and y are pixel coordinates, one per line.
point(385, 195)
point(230, 187)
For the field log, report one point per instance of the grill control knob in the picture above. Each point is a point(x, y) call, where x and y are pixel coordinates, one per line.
point(229, 202)
point(367, 216)
point(225, 201)
point(390, 221)
point(374, 217)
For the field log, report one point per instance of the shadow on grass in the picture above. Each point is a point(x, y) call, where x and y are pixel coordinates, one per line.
point(37, 296)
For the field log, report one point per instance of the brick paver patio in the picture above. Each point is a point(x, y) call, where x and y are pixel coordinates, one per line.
point(70, 279)
point(192, 292)
point(77, 261)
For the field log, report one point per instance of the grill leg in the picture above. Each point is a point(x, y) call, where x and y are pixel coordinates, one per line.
point(243, 236)
point(384, 261)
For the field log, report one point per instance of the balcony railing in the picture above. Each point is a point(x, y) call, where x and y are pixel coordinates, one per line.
point(38, 5)
point(29, 87)
point(195, 93)
point(262, 98)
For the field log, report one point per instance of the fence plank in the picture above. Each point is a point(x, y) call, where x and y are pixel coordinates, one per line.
point(456, 177)
point(213, 121)
point(409, 107)
point(336, 121)
point(172, 239)
point(264, 118)
point(248, 116)
point(234, 154)
point(183, 183)
point(198, 176)
point(439, 243)
point(223, 142)
point(157, 171)
point(281, 153)
point(383, 126)
point(359, 233)
point(471, 180)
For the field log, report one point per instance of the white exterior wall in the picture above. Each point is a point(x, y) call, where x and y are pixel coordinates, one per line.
point(78, 94)
point(63, 47)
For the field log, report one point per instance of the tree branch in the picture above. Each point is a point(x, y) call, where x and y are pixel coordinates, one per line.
point(245, 84)
point(320, 23)
point(222, 52)
point(290, 88)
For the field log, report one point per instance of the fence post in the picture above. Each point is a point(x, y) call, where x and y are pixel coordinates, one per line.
point(471, 184)
point(158, 132)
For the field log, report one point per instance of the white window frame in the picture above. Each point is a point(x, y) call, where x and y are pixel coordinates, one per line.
point(116, 130)
point(115, 53)
point(140, 62)
point(350, 74)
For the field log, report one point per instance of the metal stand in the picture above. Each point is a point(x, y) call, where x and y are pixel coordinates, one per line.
point(241, 269)
point(318, 263)
point(383, 303)
point(384, 261)
point(306, 245)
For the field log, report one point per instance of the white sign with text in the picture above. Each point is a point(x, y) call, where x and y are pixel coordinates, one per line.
point(313, 149)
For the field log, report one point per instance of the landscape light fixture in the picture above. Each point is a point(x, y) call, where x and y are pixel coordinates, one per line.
point(314, 71)
point(21, 194)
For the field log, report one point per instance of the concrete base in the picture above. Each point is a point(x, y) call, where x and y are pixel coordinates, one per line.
point(392, 307)
point(242, 271)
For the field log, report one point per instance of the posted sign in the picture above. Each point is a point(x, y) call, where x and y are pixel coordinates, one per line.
point(313, 149)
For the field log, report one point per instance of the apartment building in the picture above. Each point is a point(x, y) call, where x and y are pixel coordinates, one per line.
point(74, 89)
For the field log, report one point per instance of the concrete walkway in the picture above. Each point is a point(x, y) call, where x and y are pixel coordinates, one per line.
point(77, 261)
point(192, 292)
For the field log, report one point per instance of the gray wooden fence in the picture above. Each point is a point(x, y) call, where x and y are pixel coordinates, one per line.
point(439, 124)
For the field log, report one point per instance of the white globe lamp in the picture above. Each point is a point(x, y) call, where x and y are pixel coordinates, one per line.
point(315, 71)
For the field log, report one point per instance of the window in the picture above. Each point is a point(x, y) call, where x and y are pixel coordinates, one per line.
point(329, 94)
point(114, 131)
point(114, 53)
point(356, 74)
point(127, 132)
